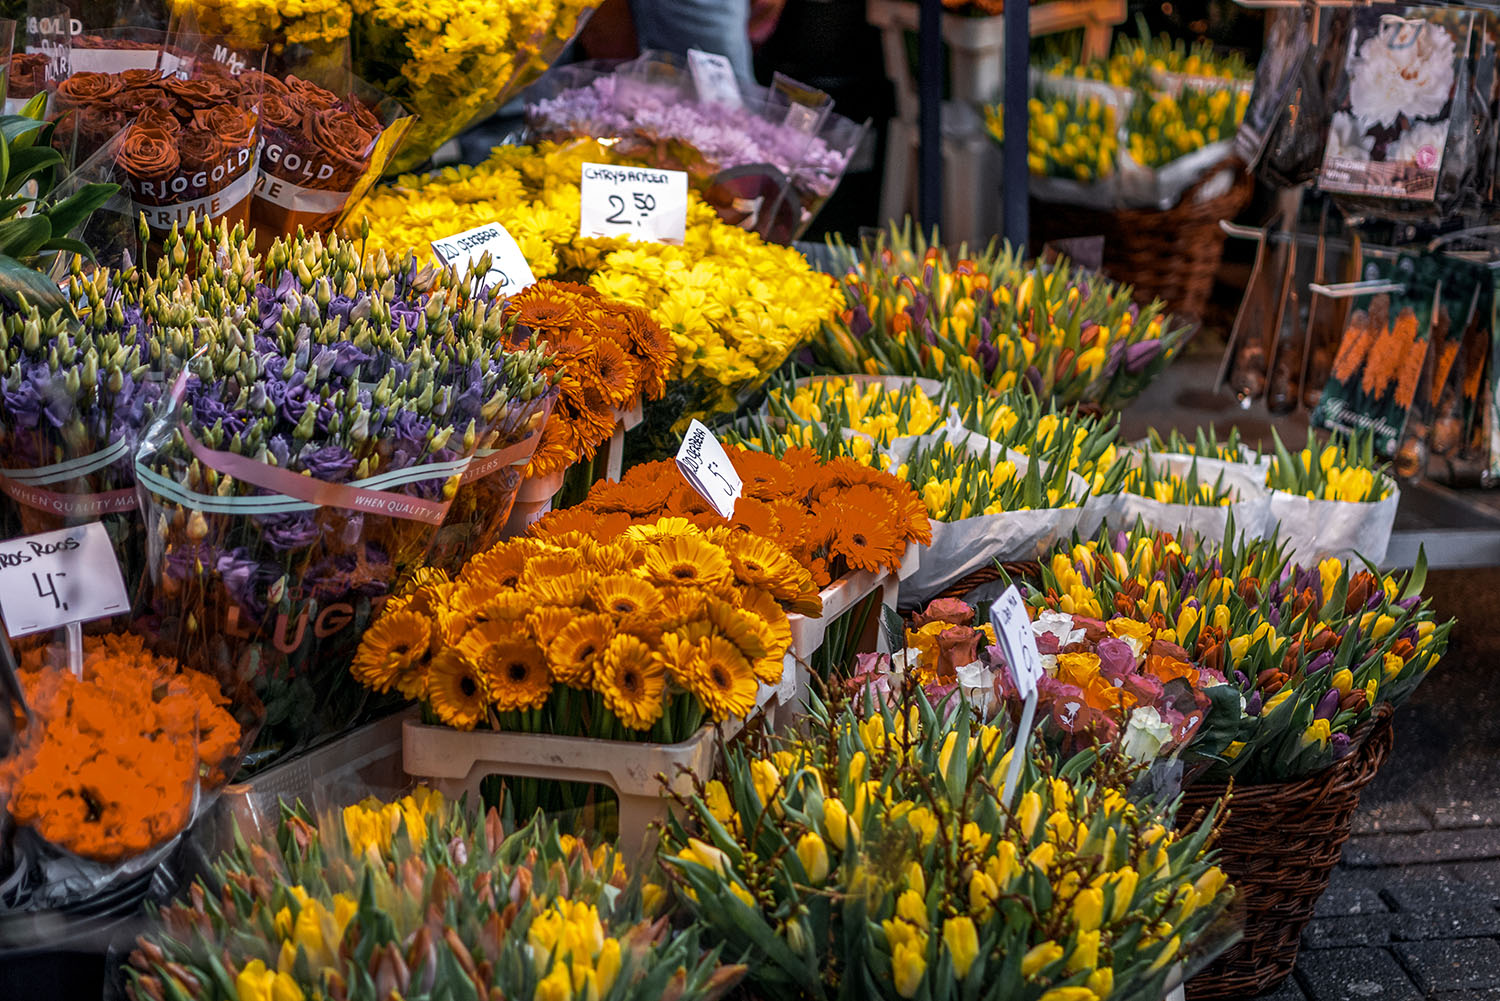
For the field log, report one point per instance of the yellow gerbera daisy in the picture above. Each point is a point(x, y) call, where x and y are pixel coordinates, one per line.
point(516, 666)
point(394, 646)
point(724, 681)
point(546, 622)
point(662, 528)
point(457, 690)
point(687, 560)
point(500, 567)
point(632, 682)
point(568, 591)
point(626, 597)
point(576, 649)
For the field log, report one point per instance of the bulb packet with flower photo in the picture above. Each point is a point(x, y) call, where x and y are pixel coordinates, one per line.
point(1389, 131)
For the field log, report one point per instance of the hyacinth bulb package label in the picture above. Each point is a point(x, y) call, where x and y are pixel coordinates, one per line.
point(638, 203)
point(58, 578)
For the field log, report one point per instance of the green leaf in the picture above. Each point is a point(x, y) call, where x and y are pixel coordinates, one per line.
point(17, 279)
point(63, 243)
point(1418, 577)
point(15, 129)
point(70, 213)
point(23, 164)
point(22, 238)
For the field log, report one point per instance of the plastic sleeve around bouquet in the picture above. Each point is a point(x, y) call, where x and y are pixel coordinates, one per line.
point(1315, 530)
point(322, 151)
point(960, 547)
point(276, 586)
point(1250, 510)
point(486, 493)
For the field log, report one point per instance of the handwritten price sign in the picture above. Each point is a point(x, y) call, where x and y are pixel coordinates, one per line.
point(508, 267)
point(638, 203)
point(59, 578)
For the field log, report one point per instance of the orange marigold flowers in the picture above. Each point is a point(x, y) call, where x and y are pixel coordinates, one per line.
point(109, 767)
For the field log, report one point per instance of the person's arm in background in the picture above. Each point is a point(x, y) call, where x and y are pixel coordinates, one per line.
point(720, 26)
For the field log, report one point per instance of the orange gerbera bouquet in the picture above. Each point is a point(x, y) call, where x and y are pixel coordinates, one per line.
point(833, 516)
point(110, 764)
point(636, 638)
point(607, 356)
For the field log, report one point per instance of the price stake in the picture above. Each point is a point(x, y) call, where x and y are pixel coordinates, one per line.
point(1017, 641)
point(59, 579)
point(706, 466)
point(713, 77)
point(508, 267)
point(639, 203)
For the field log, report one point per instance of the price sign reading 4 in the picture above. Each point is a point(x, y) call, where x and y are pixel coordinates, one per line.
point(634, 202)
point(1017, 640)
point(59, 578)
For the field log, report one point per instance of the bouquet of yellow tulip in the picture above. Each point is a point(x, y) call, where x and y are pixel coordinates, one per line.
point(1073, 137)
point(1197, 497)
point(1160, 131)
point(882, 407)
point(1166, 486)
point(1308, 653)
point(417, 899)
point(1205, 443)
point(875, 859)
point(1334, 499)
point(910, 308)
point(1345, 469)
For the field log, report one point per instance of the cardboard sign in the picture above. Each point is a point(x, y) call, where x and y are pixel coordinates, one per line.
point(706, 465)
point(713, 77)
point(59, 578)
point(639, 203)
point(508, 267)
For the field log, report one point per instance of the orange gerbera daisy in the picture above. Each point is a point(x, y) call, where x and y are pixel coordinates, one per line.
point(544, 306)
point(515, 666)
point(567, 590)
point(632, 682)
point(625, 597)
point(765, 477)
point(501, 566)
point(686, 560)
point(577, 647)
point(394, 646)
point(457, 689)
point(866, 540)
point(723, 680)
point(616, 371)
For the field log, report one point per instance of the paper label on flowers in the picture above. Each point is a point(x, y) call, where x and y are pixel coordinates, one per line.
point(638, 203)
point(508, 267)
point(58, 578)
point(706, 466)
point(1014, 634)
point(713, 77)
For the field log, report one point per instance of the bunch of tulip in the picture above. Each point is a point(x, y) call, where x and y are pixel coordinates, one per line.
point(868, 406)
point(956, 483)
point(875, 859)
point(640, 637)
point(316, 360)
point(911, 309)
point(1076, 138)
point(1344, 469)
point(1205, 443)
point(834, 515)
point(1141, 61)
point(1165, 128)
point(416, 899)
point(1018, 420)
point(734, 305)
point(1308, 654)
point(1148, 478)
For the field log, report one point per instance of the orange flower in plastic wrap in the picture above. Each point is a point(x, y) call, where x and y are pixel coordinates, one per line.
point(109, 767)
point(608, 355)
point(833, 517)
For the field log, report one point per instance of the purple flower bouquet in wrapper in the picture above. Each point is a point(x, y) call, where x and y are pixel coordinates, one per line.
point(765, 162)
point(310, 458)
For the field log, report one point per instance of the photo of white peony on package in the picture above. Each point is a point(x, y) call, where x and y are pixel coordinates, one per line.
point(1388, 136)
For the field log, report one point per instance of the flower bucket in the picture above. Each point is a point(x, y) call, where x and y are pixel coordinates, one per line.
point(533, 499)
point(1279, 845)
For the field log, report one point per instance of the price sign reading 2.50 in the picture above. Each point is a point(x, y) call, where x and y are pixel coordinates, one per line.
point(638, 203)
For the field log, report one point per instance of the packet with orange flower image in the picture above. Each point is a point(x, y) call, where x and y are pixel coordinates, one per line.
point(1384, 350)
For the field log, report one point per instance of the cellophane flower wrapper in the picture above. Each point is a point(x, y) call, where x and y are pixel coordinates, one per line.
point(39, 55)
point(1163, 187)
point(1315, 530)
point(1249, 513)
point(960, 547)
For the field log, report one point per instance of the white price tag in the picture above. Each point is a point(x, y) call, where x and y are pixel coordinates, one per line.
point(1014, 634)
point(713, 76)
point(801, 118)
point(640, 203)
point(58, 578)
point(508, 267)
point(706, 465)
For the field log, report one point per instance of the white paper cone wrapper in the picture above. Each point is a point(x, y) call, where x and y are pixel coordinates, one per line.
point(1315, 530)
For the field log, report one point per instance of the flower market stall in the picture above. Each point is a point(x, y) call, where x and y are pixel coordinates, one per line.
point(536, 578)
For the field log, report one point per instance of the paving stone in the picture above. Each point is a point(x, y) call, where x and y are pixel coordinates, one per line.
point(1354, 975)
point(1355, 930)
point(1488, 994)
point(1428, 846)
point(1467, 813)
point(1393, 818)
point(1339, 901)
point(1438, 892)
point(1485, 875)
point(1289, 990)
point(1464, 964)
point(1458, 923)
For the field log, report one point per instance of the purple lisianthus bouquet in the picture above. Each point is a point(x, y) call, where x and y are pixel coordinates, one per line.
point(763, 164)
point(311, 457)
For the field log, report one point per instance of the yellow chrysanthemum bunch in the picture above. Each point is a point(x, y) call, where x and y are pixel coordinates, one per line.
point(734, 305)
point(637, 638)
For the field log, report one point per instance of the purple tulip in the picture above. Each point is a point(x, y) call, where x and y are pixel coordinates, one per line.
point(1328, 705)
point(1319, 662)
point(1141, 354)
point(1253, 703)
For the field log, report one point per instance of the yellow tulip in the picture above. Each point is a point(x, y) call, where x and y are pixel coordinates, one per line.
point(836, 824)
point(556, 985)
point(1124, 882)
point(911, 907)
point(1088, 909)
point(1029, 813)
point(257, 983)
point(1102, 982)
point(1085, 954)
point(908, 966)
point(1040, 957)
point(814, 855)
point(962, 942)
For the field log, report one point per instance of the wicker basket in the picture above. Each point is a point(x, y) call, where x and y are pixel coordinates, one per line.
point(1172, 255)
point(1279, 846)
point(989, 574)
